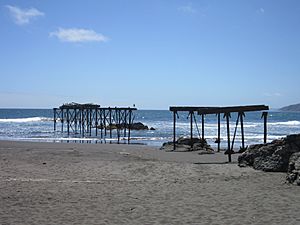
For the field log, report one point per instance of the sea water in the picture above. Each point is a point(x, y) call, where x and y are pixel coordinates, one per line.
point(38, 125)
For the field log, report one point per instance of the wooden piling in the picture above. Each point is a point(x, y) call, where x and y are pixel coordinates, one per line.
point(219, 131)
point(129, 125)
point(191, 115)
point(242, 114)
point(202, 126)
point(54, 119)
point(227, 115)
point(265, 116)
point(174, 130)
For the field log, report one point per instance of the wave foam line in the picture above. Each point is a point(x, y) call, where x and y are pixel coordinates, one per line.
point(26, 120)
point(288, 123)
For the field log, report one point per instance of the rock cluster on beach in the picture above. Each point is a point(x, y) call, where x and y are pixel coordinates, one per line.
point(282, 155)
point(187, 144)
point(133, 126)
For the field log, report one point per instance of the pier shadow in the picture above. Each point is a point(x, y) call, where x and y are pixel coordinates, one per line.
point(215, 163)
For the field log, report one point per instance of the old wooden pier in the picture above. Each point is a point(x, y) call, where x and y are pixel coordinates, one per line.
point(226, 111)
point(85, 119)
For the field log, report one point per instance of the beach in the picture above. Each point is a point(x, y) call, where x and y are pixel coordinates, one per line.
point(68, 183)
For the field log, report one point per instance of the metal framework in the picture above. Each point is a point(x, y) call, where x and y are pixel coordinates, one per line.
point(83, 119)
point(226, 111)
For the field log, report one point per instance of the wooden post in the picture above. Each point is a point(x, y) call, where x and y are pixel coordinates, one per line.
point(242, 114)
point(96, 122)
point(68, 122)
point(265, 116)
point(54, 118)
point(62, 120)
point(125, 122)
point(101, 124)
point(227, 115)
point(87, 120)
point(191, 115)
point(202, 126)
point(219, 131)
point(129, 125)
point(75, 121)
point(174, 130)
point(110, 123)
point(91, 121)
point(118, 115)
point(82, 121)
point(105, 120)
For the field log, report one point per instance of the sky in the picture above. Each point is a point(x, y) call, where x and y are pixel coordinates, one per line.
point(151, 53)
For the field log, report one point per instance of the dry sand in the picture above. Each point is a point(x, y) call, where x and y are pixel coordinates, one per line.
point(55, 183)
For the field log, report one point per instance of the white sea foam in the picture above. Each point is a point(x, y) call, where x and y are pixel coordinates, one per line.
point(288, 123)
point(25, 120)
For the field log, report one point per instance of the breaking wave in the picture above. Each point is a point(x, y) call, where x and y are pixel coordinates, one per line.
point(26, 120)
point(288, 123)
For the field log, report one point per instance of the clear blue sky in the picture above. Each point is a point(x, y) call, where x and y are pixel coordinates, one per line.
point(150, 53)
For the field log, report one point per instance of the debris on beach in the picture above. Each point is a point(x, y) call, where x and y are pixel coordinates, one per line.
point(184, 144)
point(281, 155)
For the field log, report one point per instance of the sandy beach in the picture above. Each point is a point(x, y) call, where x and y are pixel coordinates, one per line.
point(60, 183)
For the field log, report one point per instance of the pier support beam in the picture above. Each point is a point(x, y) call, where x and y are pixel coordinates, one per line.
point(227, 115)
point(174, 130)
point(242, 115)
point(202, 126)
point(219, 131)
point(54, 119)
point(191, 123)
point(265, 116)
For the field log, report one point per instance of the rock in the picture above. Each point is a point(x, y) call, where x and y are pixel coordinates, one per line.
point(151, 128)
point(188, 141)
point(139, 126)
point(272, 157)
point(293, 175)
point(169, 147)
point(186, 144)
point(242, 150)
point(134, 126)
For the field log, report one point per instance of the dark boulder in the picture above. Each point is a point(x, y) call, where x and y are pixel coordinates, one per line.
point(187, 144)
point(273, 157)
point(188, 141)
point(139, 126)
point(294, 169)
point(133, 126)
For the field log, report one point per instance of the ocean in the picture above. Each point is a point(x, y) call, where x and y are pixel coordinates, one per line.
point(37, 125)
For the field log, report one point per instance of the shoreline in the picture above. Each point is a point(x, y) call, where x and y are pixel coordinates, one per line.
point(66, 183)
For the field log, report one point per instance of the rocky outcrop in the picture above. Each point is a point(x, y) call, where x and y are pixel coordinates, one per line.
point(139, 126)
point(272, 157)
point(134, 126)
point(187, 144)
point(294, 169)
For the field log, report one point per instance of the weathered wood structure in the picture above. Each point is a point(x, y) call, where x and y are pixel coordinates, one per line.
point(226, 111)
point(85, 119)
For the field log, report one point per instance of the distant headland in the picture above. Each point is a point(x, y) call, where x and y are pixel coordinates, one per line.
point(291, 108)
